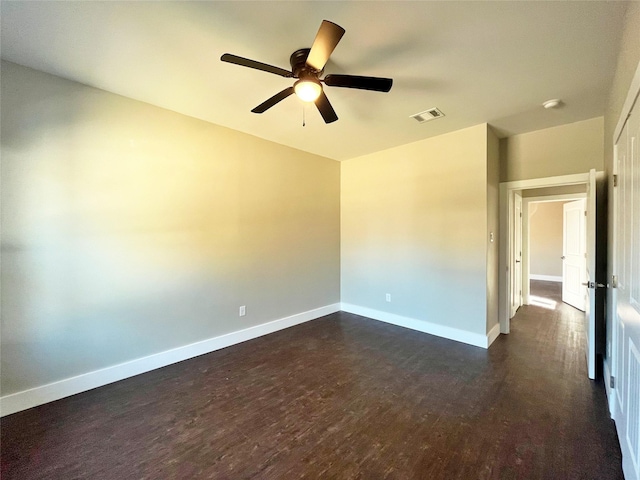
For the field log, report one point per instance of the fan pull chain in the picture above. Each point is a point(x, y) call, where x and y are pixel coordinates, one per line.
point(304, 109)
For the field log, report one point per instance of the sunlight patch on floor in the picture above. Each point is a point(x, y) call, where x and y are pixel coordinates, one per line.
point(542, 302)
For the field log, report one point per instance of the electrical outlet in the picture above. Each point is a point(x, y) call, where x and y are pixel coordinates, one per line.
point(243, 311)
point(388, 297)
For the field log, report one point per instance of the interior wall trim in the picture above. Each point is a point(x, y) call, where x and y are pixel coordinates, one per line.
point(463, 336)
point(25, 399)
point(493, 334)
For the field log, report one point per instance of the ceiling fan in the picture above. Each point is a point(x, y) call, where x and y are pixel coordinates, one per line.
point(307, 65)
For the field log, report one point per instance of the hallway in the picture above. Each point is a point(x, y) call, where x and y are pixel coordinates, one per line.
point(553, 325)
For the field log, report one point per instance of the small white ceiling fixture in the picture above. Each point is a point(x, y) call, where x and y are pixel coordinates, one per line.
point(427, 115)
point(554, 103)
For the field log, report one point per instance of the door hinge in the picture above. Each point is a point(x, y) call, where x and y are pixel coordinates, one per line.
point(585, 213)
point(612, 382)
point(615, 180)
point(614, 281)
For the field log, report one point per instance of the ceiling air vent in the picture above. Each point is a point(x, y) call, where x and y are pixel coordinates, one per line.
point(427, 115)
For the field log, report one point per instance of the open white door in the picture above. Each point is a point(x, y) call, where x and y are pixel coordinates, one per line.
point(516, 259)
point(573, 254)
point(590, 311)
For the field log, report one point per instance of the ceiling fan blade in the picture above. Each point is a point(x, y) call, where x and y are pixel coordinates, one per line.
point(245, 62)
point(325, 109)
point(278, 97)
point(363, 83)
point(326, 40)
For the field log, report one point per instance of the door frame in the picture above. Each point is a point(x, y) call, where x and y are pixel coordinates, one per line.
point(507, 199)
point(526, 228)
point(516, 283)
point(612, 349)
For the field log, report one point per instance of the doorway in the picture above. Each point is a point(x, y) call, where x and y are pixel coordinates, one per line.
point(554, 242)
point(590, 181)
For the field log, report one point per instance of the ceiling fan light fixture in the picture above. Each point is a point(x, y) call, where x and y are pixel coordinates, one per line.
point(308, 89)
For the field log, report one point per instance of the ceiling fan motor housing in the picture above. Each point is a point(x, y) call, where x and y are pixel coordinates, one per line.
point(299, 67)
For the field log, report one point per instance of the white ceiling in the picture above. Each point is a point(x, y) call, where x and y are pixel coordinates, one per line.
point(478, 62)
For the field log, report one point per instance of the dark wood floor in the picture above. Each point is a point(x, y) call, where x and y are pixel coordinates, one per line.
point(340, 397)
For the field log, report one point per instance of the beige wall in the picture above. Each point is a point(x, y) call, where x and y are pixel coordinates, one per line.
point(493, 226)
point(628, 59)
point(545, 238)
point(129, 230)
point(414, 224)
point(563, 150)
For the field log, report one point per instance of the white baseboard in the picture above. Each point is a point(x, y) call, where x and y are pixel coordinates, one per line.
point(610, 392)
point(18, 401)
point(470, 338)
point(493, 334)
point(546, 278)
